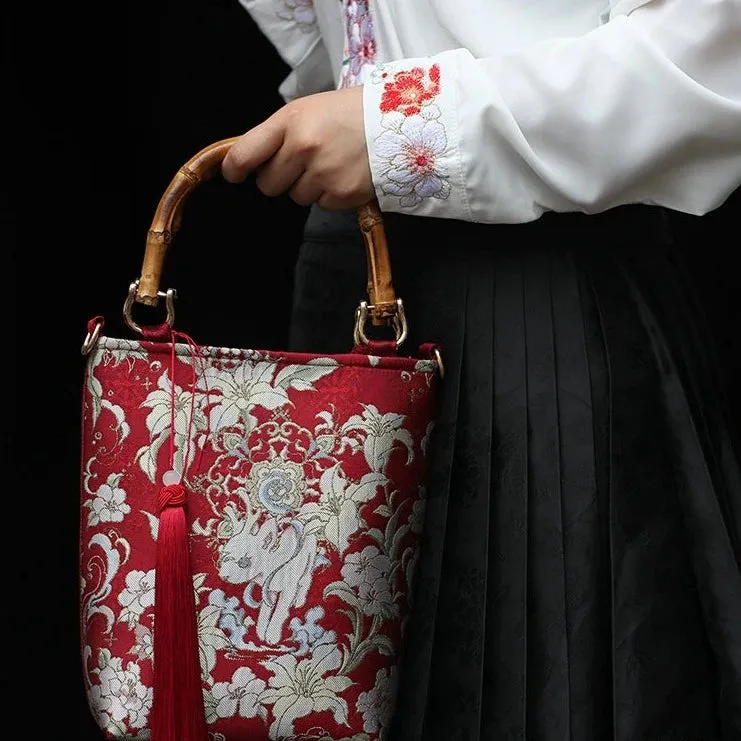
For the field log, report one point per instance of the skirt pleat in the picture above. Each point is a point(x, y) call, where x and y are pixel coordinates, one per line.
point(579, 575)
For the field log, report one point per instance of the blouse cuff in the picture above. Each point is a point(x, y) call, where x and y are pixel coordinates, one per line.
point(412, 138)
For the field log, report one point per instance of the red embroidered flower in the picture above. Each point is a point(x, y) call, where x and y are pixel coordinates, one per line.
point(410, 90)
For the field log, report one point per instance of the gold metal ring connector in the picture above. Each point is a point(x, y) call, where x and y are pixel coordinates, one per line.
point(170, 295)
point(399, 323)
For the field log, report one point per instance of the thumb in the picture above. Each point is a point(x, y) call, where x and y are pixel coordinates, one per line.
point(253, 148)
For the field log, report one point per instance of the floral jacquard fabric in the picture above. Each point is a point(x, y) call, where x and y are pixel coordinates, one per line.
point(306, 497)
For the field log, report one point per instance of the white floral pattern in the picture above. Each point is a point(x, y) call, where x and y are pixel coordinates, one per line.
point(240, 696)
point(377, 704)
point(120, 696)
point(138, 596)
point(298, 688)
point(303, 528)
point(369, 572)
point(108, 503)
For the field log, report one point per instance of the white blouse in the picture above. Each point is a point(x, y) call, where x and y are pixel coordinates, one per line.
point(496, 111)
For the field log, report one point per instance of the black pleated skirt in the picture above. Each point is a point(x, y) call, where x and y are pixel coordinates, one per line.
point(580, 576)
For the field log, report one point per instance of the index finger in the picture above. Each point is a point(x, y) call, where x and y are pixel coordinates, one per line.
point(251, 149)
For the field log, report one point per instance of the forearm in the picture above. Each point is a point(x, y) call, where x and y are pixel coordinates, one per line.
point(645, 109)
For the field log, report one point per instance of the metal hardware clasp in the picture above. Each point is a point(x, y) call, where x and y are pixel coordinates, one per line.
point(170, 295)
point(399, 323)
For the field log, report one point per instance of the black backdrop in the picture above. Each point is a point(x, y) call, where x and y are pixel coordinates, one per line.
point(107, 102)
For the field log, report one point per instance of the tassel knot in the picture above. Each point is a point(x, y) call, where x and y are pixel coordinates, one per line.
point(173, 495)
point(177, 703)
point(177, 712)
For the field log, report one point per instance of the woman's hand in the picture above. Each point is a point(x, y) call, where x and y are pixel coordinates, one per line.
point(313, 148)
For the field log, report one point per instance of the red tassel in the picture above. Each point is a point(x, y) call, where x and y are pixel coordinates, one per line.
point(177, 711)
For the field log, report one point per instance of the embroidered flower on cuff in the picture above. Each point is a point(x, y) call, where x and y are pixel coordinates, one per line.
point(410, 150)
point(412, 144)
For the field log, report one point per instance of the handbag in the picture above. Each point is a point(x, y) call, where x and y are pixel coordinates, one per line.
point(249, 519)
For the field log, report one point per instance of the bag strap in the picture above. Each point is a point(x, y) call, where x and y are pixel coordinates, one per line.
point(383, 307)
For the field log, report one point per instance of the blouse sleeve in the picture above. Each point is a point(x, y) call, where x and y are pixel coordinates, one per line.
point(291, 27)
point(644, 109)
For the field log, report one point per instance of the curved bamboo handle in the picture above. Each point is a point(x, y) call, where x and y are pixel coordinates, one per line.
point(203, 166)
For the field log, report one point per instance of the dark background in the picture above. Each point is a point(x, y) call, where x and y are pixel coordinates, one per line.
point(105, 103)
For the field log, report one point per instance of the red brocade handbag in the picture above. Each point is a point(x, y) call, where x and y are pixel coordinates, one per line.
point(250, 520)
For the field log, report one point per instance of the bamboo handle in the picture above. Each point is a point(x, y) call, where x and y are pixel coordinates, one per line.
point(203, 166)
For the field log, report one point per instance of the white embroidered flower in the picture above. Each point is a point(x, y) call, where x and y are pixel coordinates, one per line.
point(240, 696)
point(368, 572)
point(377, 704)
point(364, 566)
point(376, 598)
point(339, 504)
point(309, 634)
point(299, 688)
point(186, 421)
point(108, 503)
point(410, 152)
point(235, 392)
point(143, 647)
point(238, 391)
point(360, 44)
point(381, 434)
point(120, 696)
point(138, 595)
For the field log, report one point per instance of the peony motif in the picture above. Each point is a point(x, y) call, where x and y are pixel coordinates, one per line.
point(120, 696)
point(138, 595)
point(410, 156)
point(377, 704)
point(240, 696)
point(410, 90)
point(413, 143)
point(143, 647)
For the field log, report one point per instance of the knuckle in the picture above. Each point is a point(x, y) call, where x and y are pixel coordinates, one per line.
point(305, 143)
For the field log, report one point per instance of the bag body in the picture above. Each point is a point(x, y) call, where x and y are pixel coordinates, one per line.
point(301, 478)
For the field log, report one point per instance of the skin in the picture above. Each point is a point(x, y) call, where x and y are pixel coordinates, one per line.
point(312, 148)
